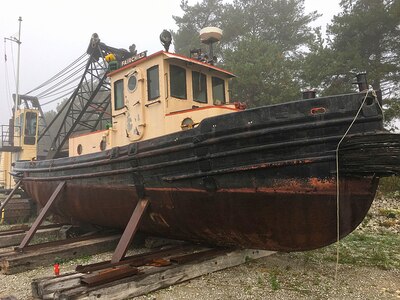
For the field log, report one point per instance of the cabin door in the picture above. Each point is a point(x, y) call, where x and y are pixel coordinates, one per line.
point(135, 105)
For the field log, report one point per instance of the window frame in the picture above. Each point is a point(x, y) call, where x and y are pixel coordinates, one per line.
point(171, 80)
point(223, 90)
point(30, 124)
point(149, 82)
point(205, 87)
point(121, 105)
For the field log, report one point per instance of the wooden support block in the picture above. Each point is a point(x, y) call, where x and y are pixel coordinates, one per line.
point(47, 288)
point(21, 261)
point(152, 278)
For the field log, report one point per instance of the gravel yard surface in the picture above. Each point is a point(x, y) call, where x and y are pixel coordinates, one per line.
point(369, 269)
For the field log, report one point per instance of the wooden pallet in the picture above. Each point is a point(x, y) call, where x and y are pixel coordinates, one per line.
point(133, 280)
point(46, 254)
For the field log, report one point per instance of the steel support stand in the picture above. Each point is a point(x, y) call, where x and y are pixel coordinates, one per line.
point(130, 230)
point(40, 218)
point(10, 195)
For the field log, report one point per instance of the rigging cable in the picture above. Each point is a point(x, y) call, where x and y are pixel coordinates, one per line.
point(58, 85)
point(58, 98)
point(58, 92)
point(55, 86)
point(58, 75)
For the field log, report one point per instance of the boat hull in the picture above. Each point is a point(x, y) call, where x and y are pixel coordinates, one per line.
point(262, 178)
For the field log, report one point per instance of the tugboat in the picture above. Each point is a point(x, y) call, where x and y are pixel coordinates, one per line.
point(276, 177)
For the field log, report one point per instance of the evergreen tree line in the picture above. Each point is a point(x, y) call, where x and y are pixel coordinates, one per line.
point(276, 52)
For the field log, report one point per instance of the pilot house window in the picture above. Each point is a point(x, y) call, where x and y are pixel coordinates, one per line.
point(218, 90)
point(178, 82)
point(30, 128)
point(199, 84)
point(153, 83)
point(119, 94)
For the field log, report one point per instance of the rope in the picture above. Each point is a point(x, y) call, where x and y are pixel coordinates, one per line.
point(338, 186)
point(381, 108)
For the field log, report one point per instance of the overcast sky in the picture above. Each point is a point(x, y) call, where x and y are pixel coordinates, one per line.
point(55, 33)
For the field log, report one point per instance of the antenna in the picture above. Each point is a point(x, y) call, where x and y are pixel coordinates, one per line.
point(209, 36)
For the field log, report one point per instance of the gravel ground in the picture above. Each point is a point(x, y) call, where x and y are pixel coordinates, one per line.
point(280, 276)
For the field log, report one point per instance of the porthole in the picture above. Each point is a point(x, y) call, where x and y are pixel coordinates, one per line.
point(79, 149)
point(132, 83)
point(369, 101)
point(187, 123)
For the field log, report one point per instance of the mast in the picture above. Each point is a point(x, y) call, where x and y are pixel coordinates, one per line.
point(18, 41)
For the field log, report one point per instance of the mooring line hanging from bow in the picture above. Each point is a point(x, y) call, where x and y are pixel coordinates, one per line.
point(338, 182)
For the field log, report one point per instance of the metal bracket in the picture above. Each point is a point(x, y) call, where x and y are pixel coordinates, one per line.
point(40, 218)
point(130, 230)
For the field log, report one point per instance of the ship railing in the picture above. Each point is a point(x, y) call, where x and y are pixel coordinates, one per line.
point(7, 135)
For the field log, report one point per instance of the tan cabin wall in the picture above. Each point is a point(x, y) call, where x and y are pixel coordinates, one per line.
point(140, 117)
point(89, 143)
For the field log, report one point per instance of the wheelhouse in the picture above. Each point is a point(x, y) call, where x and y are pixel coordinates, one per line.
point(157, 95)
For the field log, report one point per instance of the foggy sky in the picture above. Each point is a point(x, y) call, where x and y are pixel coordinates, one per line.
point(55, 33)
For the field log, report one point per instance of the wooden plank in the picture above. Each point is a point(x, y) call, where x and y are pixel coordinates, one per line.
point(47, 288)
point(156, 278)
point(22, 261)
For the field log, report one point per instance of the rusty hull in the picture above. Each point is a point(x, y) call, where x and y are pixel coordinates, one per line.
point(292, 216)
